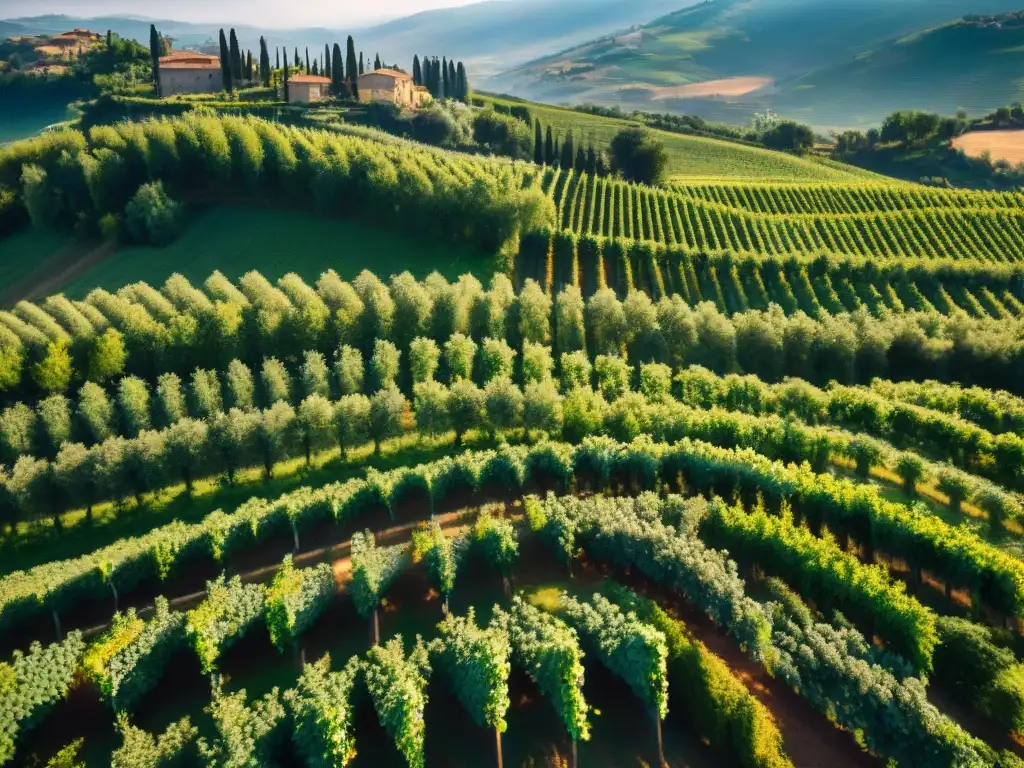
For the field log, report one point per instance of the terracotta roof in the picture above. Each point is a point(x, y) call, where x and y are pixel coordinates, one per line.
point(188, 55)
point(49, 50)
point(189, 60)
point(308, 79)
point(390, 73)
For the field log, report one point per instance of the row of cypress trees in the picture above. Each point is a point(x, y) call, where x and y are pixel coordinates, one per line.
point(443, 78)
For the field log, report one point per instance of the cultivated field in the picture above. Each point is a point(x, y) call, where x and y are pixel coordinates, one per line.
point(730, 473)
point(693, 156)
point(730, 86)
point(1000, 145)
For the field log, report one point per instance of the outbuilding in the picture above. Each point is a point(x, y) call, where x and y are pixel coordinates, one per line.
point(303, 89)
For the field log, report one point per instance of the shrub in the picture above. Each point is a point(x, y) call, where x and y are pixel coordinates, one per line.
point(152, 217)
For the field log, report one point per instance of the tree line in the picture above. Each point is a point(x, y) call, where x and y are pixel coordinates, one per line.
point(140, 441)
point(145, 332)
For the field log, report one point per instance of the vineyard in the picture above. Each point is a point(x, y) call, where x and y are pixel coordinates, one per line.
point(727, 473)
point(812, 246)
point(520, 524)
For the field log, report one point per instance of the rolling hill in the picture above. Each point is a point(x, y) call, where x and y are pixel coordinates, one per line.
point(490, 35)
point(724, 59)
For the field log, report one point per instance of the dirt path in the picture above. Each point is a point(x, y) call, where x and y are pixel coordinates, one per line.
point(63, 267)
point(340, 556)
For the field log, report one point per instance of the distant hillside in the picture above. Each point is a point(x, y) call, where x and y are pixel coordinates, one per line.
point(777, 47)
point(977, 65)
point(491, 35)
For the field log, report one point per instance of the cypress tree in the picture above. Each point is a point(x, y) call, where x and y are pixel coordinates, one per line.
point(316, 67)
point(417, 73)
point(549, 148)
point(538, 143)
point(568, 154)
point(438, 80)
point(154, 55)
point(352, 68)
point(462, 84)
point(337, 72)
point(376, 61)
point(110, 40)
point(236, 58)
point(453, 81)
point(327, 64)
point(361, 70)
point(445, 87)
point(591, 159)
point(557, 154)
point(285, 74)
point(307, 60)
point(278, 52)
point(225, 62)
point(581, 159)
point(264, 63)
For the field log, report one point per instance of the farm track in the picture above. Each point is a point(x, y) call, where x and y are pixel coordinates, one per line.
point(56, 271)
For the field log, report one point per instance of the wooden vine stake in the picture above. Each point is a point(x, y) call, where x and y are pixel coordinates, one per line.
point(661, 743)
point(375, 627)
point(497, 741)
point(574, 761)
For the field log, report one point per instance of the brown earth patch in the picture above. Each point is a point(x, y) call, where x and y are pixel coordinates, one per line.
point(730, 86)
point(1002, 145)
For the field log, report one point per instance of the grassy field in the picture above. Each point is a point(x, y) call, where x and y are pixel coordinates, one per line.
point(236, 240)
point(697, 157)
point(23, 252)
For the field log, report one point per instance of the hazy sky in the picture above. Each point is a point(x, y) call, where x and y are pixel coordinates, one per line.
point(257, 12)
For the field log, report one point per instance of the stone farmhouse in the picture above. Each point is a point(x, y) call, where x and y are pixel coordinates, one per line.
point(190, 72)
point(303, 89)
point(69, 44)
point(393, 86)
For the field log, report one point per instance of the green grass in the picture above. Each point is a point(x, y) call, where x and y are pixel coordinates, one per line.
point(236, 240)
point(697, 157)
point(25, 251)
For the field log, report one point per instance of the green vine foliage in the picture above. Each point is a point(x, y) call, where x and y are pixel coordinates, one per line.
point(295, 599)
point(820, 661)
point(548, 650)
point(441, 555)
point(229, 611)
point(476, 663)
point(825, 574)
point(174, 748)
point(246, 735)
point(955, 554)
point(321, 710)
point(398, 686)
point(633, 651)
point(495, 539)
point(374, 569)
point(129, 660)
point(31, 684)
point(716, 704)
